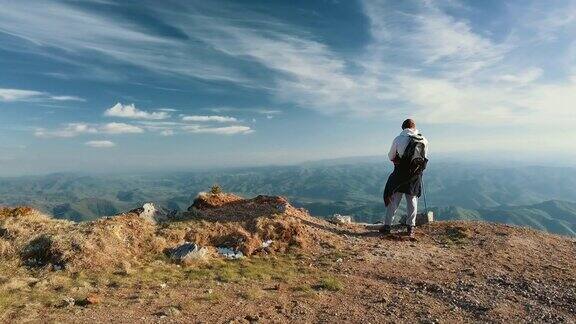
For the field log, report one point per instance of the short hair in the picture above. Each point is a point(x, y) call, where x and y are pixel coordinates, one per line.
point(409, 123)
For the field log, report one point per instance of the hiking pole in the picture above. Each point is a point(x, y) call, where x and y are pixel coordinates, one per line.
point(424, 195)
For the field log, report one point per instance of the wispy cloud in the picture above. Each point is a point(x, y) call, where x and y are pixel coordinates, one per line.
point(130, 111)
point(421, 59)
point(163, 128)
point(228, 130)
point(218, 119)
point(120, 128)
point(14, 95)
point(100, 144)
point(77, 129)
point(261, 111)
point(523, 77)
point(79, 33)
point(70, 130)
point(18, 95)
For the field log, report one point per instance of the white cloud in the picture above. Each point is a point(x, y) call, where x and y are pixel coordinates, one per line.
point(14, 95)
point(120, 128)
point(18, 95)
point(67, 98)
point(77, 129)
point(219, 119)
point(130, 111)
point(163, 128)
point(228, 130)
point(524, 77)
point(169, 128)
point(70, 130)
point(100, 144)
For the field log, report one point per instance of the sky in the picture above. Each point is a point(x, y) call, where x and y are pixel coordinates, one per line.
point(104, 85)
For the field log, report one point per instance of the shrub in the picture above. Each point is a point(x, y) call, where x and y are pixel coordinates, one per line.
point(215, 189)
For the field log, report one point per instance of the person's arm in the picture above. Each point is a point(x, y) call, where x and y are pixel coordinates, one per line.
point(393, 153)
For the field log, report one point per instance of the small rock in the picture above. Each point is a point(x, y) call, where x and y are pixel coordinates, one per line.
point(93, 299)
point(230, 253)
point(339, 260)
point(252, 318)
point(267, 243)
point(340, 219)
point(67, 302)
point(154, 214)
point(168, 311)
point(282, 208)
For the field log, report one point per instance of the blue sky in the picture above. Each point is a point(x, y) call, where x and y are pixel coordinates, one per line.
point(103, 85)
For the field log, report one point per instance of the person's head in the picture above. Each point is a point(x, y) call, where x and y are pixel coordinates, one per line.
point(409, 123)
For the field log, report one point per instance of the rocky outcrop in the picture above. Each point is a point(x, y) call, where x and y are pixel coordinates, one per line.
point(216, 222)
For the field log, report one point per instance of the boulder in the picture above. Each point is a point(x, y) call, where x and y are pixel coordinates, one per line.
point(421, 218)
point(187, 252)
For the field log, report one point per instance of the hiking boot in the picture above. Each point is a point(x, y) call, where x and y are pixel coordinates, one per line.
point(385, 230)
point(410, 231)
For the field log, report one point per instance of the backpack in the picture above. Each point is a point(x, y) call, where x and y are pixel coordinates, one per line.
point(413, 158)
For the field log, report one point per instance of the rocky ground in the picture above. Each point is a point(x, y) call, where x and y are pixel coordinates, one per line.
point(317, 272)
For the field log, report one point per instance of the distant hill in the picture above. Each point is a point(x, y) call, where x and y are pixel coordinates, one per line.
point(346, 186)
point(552, 216)
point(86, 209)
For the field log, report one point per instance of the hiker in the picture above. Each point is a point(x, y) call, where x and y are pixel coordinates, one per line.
point(409, 155)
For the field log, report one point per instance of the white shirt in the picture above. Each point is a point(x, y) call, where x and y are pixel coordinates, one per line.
point(401, 141)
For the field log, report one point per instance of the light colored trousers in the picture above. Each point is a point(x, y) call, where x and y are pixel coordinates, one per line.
point(411, 204)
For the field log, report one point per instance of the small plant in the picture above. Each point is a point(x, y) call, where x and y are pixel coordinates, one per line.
point(330, 283)
point(455, 235)
point(305, 288)
point(251, 294)
point(216, 189)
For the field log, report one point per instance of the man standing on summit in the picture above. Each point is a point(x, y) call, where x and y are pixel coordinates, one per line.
point(409, 155)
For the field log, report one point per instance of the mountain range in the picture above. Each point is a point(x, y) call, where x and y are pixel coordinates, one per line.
point(536, 196)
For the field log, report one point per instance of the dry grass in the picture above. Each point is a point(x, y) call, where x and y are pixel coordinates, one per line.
point(110, 243)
